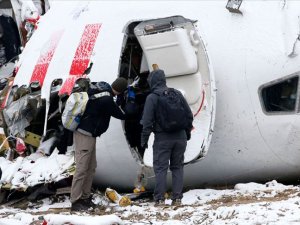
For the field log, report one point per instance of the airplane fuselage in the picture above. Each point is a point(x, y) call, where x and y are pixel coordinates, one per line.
point(242, 140)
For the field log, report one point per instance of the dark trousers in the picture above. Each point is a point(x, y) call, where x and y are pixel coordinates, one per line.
point(163, 152)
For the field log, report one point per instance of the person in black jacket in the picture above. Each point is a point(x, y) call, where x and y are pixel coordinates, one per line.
point(94, 122)
point(168, 146)
point(10, 37)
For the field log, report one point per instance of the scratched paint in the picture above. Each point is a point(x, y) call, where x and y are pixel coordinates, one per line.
point(42, 65)
point(82, 56)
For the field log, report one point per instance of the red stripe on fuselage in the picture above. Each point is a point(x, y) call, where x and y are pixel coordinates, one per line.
point(84, 50)
point(42, 65)
point(82, 56)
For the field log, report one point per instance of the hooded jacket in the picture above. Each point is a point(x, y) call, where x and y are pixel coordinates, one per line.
point(96, 118)
point(157, 83)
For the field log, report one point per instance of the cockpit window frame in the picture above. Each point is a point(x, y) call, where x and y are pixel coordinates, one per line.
point(277, 81)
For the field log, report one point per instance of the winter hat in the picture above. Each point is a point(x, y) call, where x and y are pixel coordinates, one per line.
point(119, 85)
point(83, 83)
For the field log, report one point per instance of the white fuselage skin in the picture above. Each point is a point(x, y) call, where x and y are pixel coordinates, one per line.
point(245, 52)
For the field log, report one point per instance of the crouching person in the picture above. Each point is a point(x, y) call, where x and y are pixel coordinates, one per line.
point(168, 115)
point(94, 122)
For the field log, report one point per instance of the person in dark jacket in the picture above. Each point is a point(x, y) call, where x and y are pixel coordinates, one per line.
point(168, 146)
point(10, 37)
point(95, 121)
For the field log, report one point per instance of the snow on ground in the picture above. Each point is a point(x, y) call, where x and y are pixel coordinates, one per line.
point(271, 203)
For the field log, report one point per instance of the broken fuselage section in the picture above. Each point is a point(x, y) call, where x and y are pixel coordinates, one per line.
point(172, 43)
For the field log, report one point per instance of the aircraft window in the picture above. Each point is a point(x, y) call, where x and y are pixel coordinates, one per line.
point(281, 96)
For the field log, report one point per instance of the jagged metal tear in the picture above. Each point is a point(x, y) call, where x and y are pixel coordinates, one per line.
point(293, 53)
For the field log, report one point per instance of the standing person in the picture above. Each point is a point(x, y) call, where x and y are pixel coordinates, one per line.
point(169, 145)
point(94, 122)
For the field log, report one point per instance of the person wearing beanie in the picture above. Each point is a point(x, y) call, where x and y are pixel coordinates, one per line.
point(94, 122)
point(119, 85)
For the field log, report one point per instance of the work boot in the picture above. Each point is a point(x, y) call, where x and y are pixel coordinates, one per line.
point(89, 202)
point(159, 202)
point(79, 205)
point(176, 202)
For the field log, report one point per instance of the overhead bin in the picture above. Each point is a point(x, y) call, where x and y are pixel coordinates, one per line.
point(168, 44)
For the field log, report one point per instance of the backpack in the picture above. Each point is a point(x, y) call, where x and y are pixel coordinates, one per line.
point(75, 108)
point(171, 114)
point(100, 86)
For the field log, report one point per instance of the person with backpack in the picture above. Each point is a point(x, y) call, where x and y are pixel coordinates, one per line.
point(94, 122)
point(168, 115)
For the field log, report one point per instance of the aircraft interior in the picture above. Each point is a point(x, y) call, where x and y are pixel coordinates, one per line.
point(163, 42)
